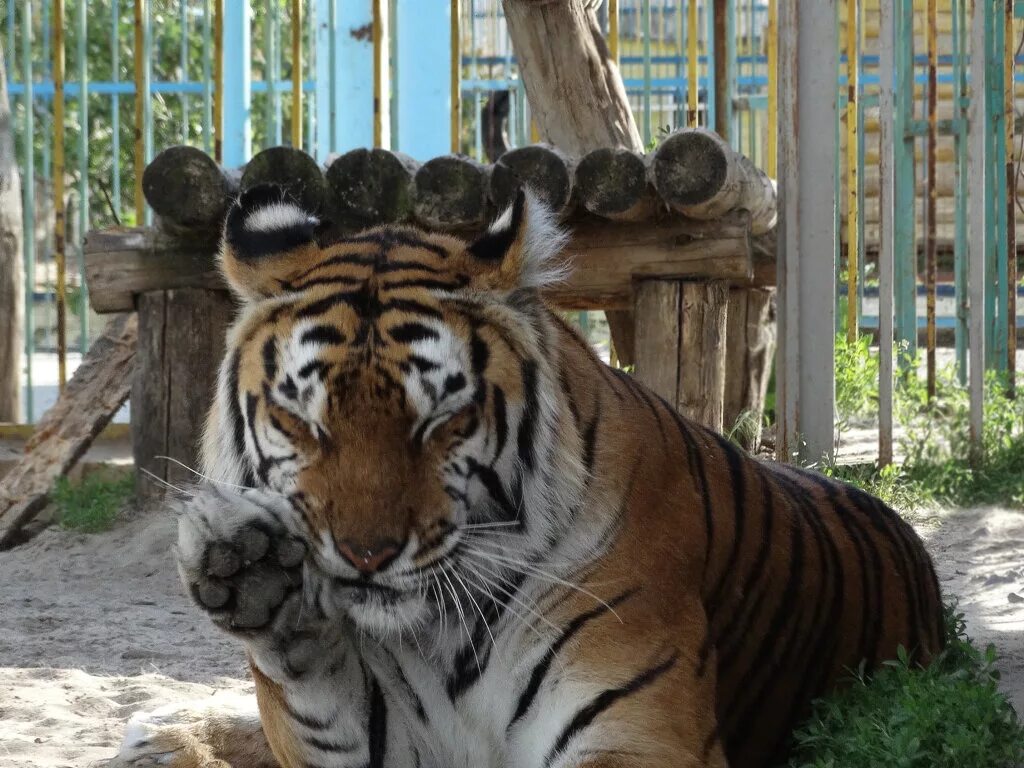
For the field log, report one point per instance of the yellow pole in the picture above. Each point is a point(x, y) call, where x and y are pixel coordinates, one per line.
point(773, 86)
point(140, 150)
point(693, 87)
point(297, 74)
point(456, 76)
point(58, 190)
point(613, 30)
point(852, 171)
point(218, 80)
point(378, 73)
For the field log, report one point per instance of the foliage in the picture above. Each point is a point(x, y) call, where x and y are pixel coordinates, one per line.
point(949, 715)
point(856, 377)
point(93, 504)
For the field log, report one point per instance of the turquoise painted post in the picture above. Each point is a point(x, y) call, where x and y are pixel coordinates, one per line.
point(353, 74)
point(994, 205)
point(115, 103)
point(237, 53)
point(207, 76)
point(269, 54)
point(423, 95)
point(147, 96)
point(960, 148)
point(905, 244)
point(861, 237)
point(184, 71)
point(326, 83)
point(83, 173)
point(28, 192)
point(308, 136)
point(711, 66)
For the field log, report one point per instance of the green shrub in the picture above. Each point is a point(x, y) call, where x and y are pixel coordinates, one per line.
point(949, 715)
point(93, 504)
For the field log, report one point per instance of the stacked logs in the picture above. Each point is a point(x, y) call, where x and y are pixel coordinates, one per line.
point(692, 173)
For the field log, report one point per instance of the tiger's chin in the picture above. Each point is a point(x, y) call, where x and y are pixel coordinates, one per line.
point(383, 613)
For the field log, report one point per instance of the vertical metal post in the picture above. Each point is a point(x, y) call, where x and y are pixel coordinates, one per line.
point(115, 105)
point(711, 54)
point(613, 30)
point(28, 200)
point(806, 277)
point(905, 247)
point(771, 164)
point(1011, 199)
point(208, 127)
point(184, 71)
point(997, 203)
point(297, 74)
point(424, 80)
point(141, 96)
point(852, 168)
point(83, 175)
point(237, 83)
point(353, 71)
point(60, 228)
point(960, 251)
point(931, 190)
point(311, 40)
point(379, 59)
point(692, 62)
point(455, 75)
point(270, 53)
point(647, 127)
point(979, 221)
point(887, 230)
point(324, 80)
point(218, 80)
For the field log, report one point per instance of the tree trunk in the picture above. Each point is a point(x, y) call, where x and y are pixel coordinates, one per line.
point(576, 95)
point(12, 293)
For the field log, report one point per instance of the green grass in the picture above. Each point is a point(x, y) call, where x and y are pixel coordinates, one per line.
point(949, 715)
point(93, 504)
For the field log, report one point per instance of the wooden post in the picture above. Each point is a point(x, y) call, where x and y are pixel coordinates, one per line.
point(181, 343)
point(750, 355)
point(12, 293)
point(683, 357)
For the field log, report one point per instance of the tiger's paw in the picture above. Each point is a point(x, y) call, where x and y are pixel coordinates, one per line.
point(242, 562)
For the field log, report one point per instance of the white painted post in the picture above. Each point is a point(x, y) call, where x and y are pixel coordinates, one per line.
point(887, 233)
point(808, 87)
point(977, 225)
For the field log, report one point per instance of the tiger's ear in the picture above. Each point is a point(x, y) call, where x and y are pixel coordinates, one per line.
point(269, 240)
point(521, 249)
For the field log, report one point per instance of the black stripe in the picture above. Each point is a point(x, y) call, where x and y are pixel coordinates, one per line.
point(312, 722)
point(237, 422)
point(270, 359)
point(411, 332)
point(590, 441)
point(492, 484)
point(425, 283)
point(606, 699)
point(540, 670)
point(412, 306)
point(378, 726)
point(324, 745)
point(528, 424)
point(500, 421)
point(423, 365)
point(322, 334)
point(639, 392)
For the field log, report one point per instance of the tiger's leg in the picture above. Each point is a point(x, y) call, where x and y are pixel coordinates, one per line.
point(244, 565)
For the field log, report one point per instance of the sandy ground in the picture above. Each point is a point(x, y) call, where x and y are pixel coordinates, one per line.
point(95, 628)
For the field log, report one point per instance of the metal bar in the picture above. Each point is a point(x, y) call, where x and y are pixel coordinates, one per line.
point(852, 167)
point(237, 83)
point(275, 73)
point(807, 119)
point(424, 57)
point(979, 185)
point(378, 73)
point(995, 131)
point(455, 75)
point(115, 105)
point(310, 135)
point(1011, 199)
point(771, 165)
point(905, 248)
point(218, 80)
point(28, 200)
point(647, 128)
point(60, 228)
point(270, 124)
point(931, 190)
point(83, 175)
point(887, 233)
point(297, 74)
point(325, 19)
point(692, 73)
point(353, 75)
point(960, 142)
point(208, 123)
point(141, 96)
point(613, 29)
point(711, 68)
point(184, 71)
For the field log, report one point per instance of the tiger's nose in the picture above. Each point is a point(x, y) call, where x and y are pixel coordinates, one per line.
point(369, 559)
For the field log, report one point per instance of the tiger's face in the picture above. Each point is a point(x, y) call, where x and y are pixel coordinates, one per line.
point(394, 389)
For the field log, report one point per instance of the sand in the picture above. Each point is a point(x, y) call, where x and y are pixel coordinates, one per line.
point(95, 628)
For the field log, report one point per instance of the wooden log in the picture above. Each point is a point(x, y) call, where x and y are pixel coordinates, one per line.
point(94, 394)
point(291, 169)
point(612, 184)
point(750, 354)
point(682, 357)
point(188, 191)
point(542, 168)
point(697, 174)
point(181, 344)
point(367, 187)
point(451, 194)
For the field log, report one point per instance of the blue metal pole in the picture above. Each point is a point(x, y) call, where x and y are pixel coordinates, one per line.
point(423, 94)
point(353, 108)
point(995, 131)
point(905, 245)
point(28, 200)
point(237, 58)
point(326, 77)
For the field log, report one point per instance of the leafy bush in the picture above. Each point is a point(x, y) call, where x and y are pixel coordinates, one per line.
point(94, 504)
point(949, 715)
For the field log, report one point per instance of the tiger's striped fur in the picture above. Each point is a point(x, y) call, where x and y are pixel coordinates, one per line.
point(575, 574)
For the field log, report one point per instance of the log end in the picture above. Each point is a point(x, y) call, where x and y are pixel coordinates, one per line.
point(291, 169)
point(689, 167)
point(367, 187)
point(612, 183)
point(186, 186)
point(451, 193)
point(541, 168)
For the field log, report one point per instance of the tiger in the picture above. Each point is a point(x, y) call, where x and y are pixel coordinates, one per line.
point(448, 535)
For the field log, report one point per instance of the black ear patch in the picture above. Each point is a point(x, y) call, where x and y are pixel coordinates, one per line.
point(494, 244)
point(265, 220)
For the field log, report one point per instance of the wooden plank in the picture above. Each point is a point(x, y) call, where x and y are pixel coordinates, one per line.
point(92, 397)
point(808, 231)
point(656, 311)
point(750, 354)
point(607, 257)
point(703, 308)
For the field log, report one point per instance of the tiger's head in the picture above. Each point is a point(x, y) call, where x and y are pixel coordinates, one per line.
point(398, 391)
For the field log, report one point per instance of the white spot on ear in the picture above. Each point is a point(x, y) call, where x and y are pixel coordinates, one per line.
point(543, 241)
point(278, 216)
